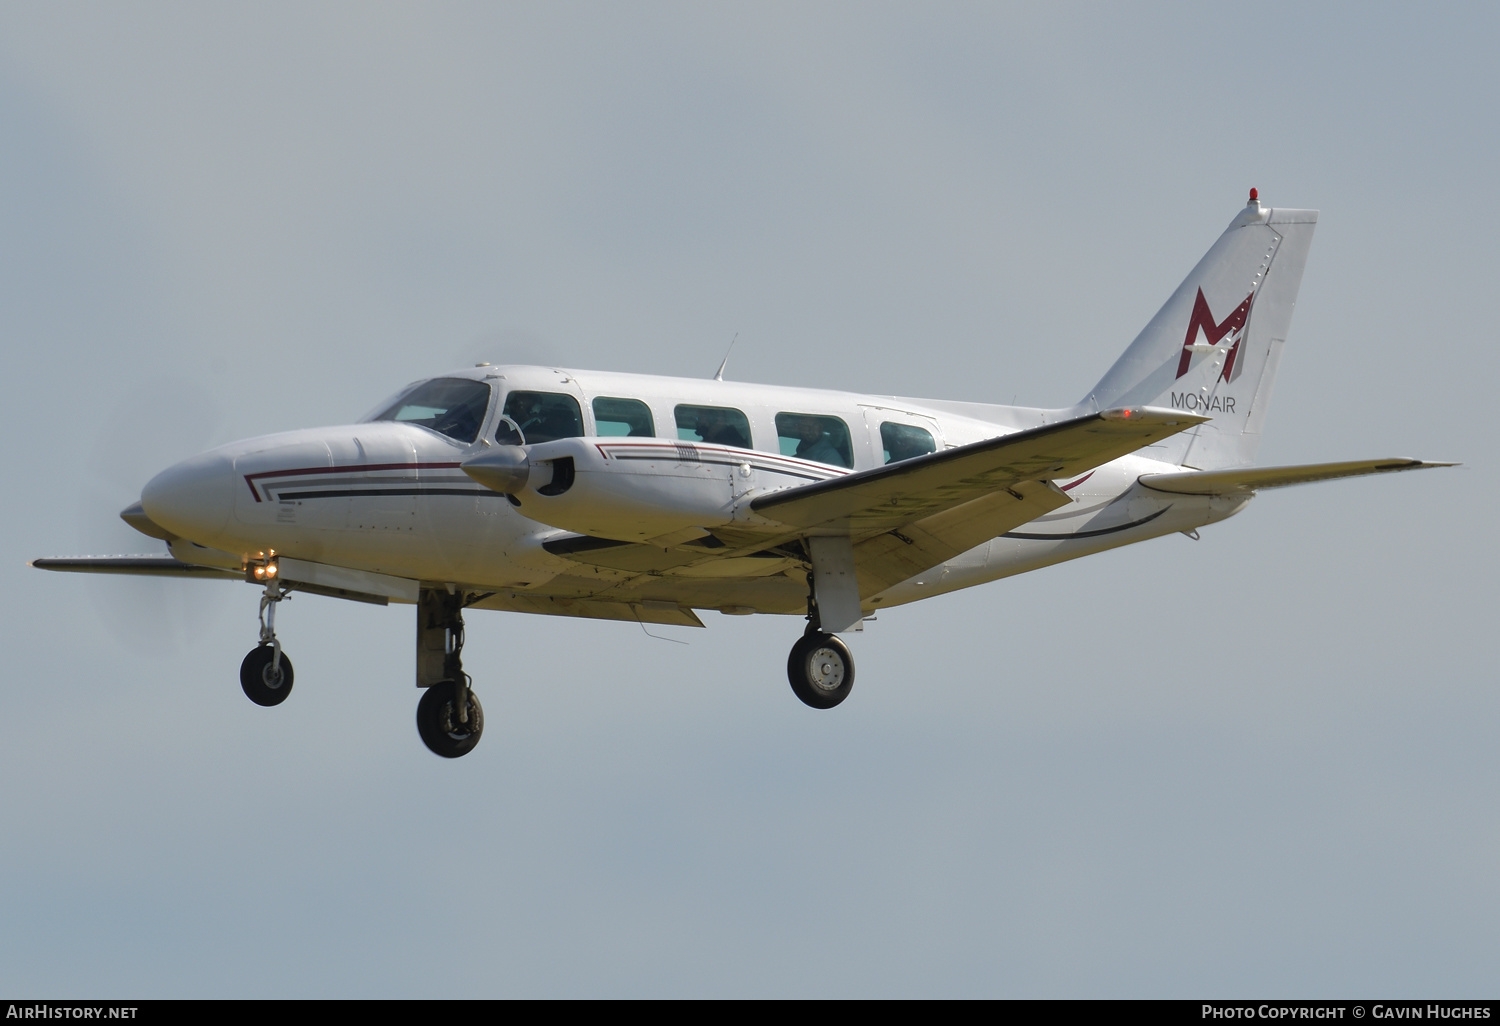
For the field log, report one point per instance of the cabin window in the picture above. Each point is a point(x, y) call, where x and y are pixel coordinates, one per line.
point(450, 406)
point(903, 441)
point(716, 425)
point(810, 437)
point(544, 416)
point(616, 417)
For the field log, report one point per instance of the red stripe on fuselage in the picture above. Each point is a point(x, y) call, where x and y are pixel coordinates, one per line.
point(250, 479)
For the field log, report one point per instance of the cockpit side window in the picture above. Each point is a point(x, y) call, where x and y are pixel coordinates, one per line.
point(903, 441)
point(450, 406)
point(614, 417)
point(545, 416)
point(810, 437)
point(716, 425)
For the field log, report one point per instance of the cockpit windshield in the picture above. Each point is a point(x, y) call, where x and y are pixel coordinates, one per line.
point(451, 406)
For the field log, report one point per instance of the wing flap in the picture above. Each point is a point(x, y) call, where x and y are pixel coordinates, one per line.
point(681, 561)
point(632, 557)
point(894, 556)
point(640, 610)
point(890, 497)
point(1244, 480)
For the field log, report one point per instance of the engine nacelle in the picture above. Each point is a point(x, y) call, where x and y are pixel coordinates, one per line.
point(628, 489)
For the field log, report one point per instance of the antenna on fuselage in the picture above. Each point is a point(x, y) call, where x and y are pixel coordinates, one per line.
point(719, 376)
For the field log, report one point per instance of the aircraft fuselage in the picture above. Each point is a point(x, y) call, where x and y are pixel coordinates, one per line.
point(391, 498)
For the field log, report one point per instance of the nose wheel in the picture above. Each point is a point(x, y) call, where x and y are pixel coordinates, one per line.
point(266, 672)
point(820, 669)
point(266, 675)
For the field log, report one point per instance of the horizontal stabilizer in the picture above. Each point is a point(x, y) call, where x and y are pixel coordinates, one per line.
point(166, 566)
point(890, 497)
point(145, 566)
point(1244, 480)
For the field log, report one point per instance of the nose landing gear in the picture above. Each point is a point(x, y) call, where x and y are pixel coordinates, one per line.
point(449, 716)
point(266, 672)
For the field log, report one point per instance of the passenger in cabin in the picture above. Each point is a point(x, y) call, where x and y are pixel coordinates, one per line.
point(713, 427)
point(812, 437)
point(815, 444)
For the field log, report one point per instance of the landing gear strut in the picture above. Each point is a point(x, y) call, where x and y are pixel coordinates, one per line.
point(266, 673)
point(820, 668)
point(449, 717)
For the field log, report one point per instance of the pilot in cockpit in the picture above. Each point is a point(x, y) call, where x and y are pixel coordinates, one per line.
point(526, 411)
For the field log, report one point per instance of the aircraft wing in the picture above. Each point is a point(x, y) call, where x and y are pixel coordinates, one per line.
point(1244, 480)
point(889, 498)
point(883, 560)
point(904, 518)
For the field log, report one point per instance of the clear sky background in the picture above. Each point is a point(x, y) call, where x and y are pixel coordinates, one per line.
point(1261, 763)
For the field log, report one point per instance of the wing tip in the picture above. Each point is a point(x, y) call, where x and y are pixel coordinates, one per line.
point(1156, 415)
point(1396, 463)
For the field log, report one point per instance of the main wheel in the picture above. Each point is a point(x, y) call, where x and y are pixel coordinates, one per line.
point(263, 682)
point(821, 670)
point(438, 723)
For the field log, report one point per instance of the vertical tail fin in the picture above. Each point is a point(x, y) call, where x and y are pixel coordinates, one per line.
point(1213, 348)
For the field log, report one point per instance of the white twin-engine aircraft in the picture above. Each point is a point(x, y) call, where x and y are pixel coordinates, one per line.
point(630, 497)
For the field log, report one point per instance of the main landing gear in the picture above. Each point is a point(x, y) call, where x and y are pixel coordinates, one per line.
point(266, 673)
point(820, 668)
point(449, 716)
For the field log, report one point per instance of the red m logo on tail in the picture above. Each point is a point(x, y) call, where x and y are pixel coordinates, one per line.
point(1203, 320)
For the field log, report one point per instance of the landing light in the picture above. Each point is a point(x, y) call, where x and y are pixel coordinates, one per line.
point(260, 572)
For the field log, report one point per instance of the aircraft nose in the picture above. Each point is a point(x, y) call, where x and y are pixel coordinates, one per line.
point(194, 498)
